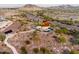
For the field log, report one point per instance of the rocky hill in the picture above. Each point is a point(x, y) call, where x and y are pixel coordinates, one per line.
point(30, 7)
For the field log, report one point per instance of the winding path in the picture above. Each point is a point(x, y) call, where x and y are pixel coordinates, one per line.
point(8, 36)
point(9, 45)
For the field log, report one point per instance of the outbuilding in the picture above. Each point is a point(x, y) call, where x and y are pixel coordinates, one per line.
point(10, 27)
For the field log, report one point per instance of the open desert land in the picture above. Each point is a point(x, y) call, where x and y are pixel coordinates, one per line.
point(32, 29)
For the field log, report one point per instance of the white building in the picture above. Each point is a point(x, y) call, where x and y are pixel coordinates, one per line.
point(41, 28)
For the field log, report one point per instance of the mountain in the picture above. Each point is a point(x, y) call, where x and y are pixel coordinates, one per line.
point(30, 7)
point(65, 7)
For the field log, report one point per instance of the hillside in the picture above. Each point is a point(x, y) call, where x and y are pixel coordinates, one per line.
point(30, 7)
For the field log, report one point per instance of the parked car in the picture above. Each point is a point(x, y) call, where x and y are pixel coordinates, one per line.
point(48, 30)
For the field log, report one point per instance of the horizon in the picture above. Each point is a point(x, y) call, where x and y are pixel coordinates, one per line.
point(41, 5)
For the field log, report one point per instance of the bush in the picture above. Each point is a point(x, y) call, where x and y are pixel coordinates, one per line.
point(35, 36)
point(4, 52)
point(35, 50)
point(38, 23)
point(74, 41)
point(63, 30)
point(48, 18)
point(70, 52)
point(2, 37)
point(44, 50)
point(23, 50)
point(61, 39)
point(68, 22)
point(66, 51)
point(23, 21)
point(74, 33)
point(77, 41)
point(27, 42)
point(53, 25)
point(74, 52)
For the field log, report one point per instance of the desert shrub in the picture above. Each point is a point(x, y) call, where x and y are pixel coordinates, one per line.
point(44, 50)
point(63, 30)
point(74, 52)
point(35, 36)
point(68, 22)
point(23, 50)
point(39, 13)
point(27, 42)
point(23, 21)
point(48, 18)
point(74, 40)
point(2, 37)
point(61, 39)
point(35, 50)
point(66, 51)
point(4, 52)
point(53, 25)
point(38, 23)
point(74, 33)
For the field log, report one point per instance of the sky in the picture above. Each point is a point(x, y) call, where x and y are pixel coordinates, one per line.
point(41, 5)
point(10, 5)
point(39, 1)
point(49, 5)
point(19, 3)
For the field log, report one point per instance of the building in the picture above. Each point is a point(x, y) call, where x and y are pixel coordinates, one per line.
point(9, 26)
point(45, 26)
point(45, 23)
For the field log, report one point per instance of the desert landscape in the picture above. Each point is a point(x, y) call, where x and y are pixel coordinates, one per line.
point(34, 29)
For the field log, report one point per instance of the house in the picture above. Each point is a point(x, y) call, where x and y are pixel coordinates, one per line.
point(45, 26)
point(46, 23)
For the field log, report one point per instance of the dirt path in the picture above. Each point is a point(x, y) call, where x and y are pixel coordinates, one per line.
point(8, 36)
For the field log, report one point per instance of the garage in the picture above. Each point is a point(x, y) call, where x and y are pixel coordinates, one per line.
point(7, 32)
